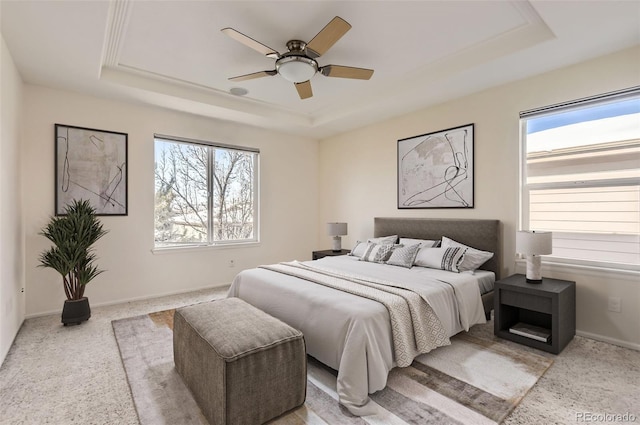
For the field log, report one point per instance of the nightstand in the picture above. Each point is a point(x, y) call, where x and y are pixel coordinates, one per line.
point(316, 255)
point(550, 305)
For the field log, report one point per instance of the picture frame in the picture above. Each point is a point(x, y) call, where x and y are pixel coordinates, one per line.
point(436, 170)
point(91, 164)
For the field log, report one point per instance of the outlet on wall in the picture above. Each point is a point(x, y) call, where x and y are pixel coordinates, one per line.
point(615, 304)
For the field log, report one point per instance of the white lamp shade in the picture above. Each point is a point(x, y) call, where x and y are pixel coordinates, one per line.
point(336, 229)
point(534, 243)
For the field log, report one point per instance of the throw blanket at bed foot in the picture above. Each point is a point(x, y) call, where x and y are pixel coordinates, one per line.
point(415, 327)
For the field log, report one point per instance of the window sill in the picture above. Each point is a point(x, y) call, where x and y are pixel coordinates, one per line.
point(627, 271)
point(197, 248)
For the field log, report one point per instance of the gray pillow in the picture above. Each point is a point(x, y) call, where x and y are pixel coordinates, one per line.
point(404, 256)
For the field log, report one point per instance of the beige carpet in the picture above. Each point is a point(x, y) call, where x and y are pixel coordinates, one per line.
point(473, 381)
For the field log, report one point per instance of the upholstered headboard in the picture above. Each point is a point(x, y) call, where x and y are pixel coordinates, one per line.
point(479, 234)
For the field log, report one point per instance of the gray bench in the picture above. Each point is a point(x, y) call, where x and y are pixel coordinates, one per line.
point(242, 365)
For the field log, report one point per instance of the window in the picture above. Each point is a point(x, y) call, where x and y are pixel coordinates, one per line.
point(581, 178)
point(205, 194)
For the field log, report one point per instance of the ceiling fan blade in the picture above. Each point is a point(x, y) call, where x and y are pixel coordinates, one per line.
point(304, 89)
point(346, 72)
point(254, 75)
point(327, 37)
point(250, 42)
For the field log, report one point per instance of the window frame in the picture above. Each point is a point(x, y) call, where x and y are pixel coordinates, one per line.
point(211, 243)
point(524, 188)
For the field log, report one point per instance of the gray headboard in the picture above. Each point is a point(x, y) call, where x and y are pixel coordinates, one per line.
point(479, 234)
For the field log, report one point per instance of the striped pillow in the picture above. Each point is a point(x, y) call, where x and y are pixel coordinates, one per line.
point(359, 249)
point(440, 258)
point(377, 253)
point(473, 258)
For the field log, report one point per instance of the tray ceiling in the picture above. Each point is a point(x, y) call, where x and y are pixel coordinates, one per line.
point(172, 53)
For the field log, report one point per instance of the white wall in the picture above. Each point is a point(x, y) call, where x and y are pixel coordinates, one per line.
point(288, 200)
point(358, 176)
point(12, 302)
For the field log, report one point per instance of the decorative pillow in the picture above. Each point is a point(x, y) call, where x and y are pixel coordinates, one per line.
point(424, 243)
point(473, 258)
point(384, 240)
point(377, 253)
point(359, 249)
point(404, 256)
point(440, 258)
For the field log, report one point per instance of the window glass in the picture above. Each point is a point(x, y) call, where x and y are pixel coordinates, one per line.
point(204, 194)
point(581, 180)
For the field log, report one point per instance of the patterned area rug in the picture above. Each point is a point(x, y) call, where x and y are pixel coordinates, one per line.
point(472, 381)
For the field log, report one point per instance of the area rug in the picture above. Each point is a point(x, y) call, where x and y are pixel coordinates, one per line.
point(472, 381)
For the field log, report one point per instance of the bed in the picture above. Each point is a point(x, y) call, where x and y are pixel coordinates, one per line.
point(480, 234)
point(359, 335)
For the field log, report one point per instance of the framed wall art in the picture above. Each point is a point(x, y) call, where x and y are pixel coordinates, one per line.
point(435, 170)
point(91, 164)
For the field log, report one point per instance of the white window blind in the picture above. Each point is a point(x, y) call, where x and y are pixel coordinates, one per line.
point(581, 177)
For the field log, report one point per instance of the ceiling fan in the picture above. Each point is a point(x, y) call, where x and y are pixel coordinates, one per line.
point(299, 64)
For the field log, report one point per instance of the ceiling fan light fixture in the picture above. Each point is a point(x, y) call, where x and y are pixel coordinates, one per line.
point(299, 65)
point(296, 69)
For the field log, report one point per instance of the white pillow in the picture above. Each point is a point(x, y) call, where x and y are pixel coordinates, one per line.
point(384, 240)
point(359, 249)
point(404, 256)
point(473, 258)
point(440, 258)
point(424, 243)
point(377, 253)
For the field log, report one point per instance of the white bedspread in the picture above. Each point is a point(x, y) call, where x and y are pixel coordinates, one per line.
point(353, 334)
point(415, 328)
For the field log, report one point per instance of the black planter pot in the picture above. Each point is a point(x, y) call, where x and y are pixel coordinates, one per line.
point(75, 312)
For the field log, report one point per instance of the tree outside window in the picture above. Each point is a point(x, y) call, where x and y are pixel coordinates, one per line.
point(204, 194)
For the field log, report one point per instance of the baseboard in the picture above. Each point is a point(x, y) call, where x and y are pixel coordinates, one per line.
point(3, 356)
point(625, 344)
point(128, 300)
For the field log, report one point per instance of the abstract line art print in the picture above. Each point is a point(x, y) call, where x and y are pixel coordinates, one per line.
point(435, 170)
point(91, 164)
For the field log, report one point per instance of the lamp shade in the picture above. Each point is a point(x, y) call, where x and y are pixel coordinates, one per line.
point(534, 243)
point(296, 69)
point(336, 229)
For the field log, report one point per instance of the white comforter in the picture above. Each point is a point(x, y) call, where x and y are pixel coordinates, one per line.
point(353, 334)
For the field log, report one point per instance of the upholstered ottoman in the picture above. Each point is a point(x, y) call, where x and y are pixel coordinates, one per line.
point(242, 365)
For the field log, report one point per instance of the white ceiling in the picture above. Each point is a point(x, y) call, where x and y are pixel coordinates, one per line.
point(172, 53)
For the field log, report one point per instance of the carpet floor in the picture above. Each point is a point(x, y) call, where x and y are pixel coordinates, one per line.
point(473, 381)
point(74, 375)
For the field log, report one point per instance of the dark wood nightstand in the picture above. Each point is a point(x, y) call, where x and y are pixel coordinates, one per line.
point(550, 305)
point(316, 255)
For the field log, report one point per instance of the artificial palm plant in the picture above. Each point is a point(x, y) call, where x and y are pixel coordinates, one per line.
point(73, 236)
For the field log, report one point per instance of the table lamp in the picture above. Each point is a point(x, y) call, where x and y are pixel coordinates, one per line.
point(336, 230)
point(533, 244)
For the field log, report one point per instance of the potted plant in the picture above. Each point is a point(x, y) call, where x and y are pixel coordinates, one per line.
point(72, 256)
